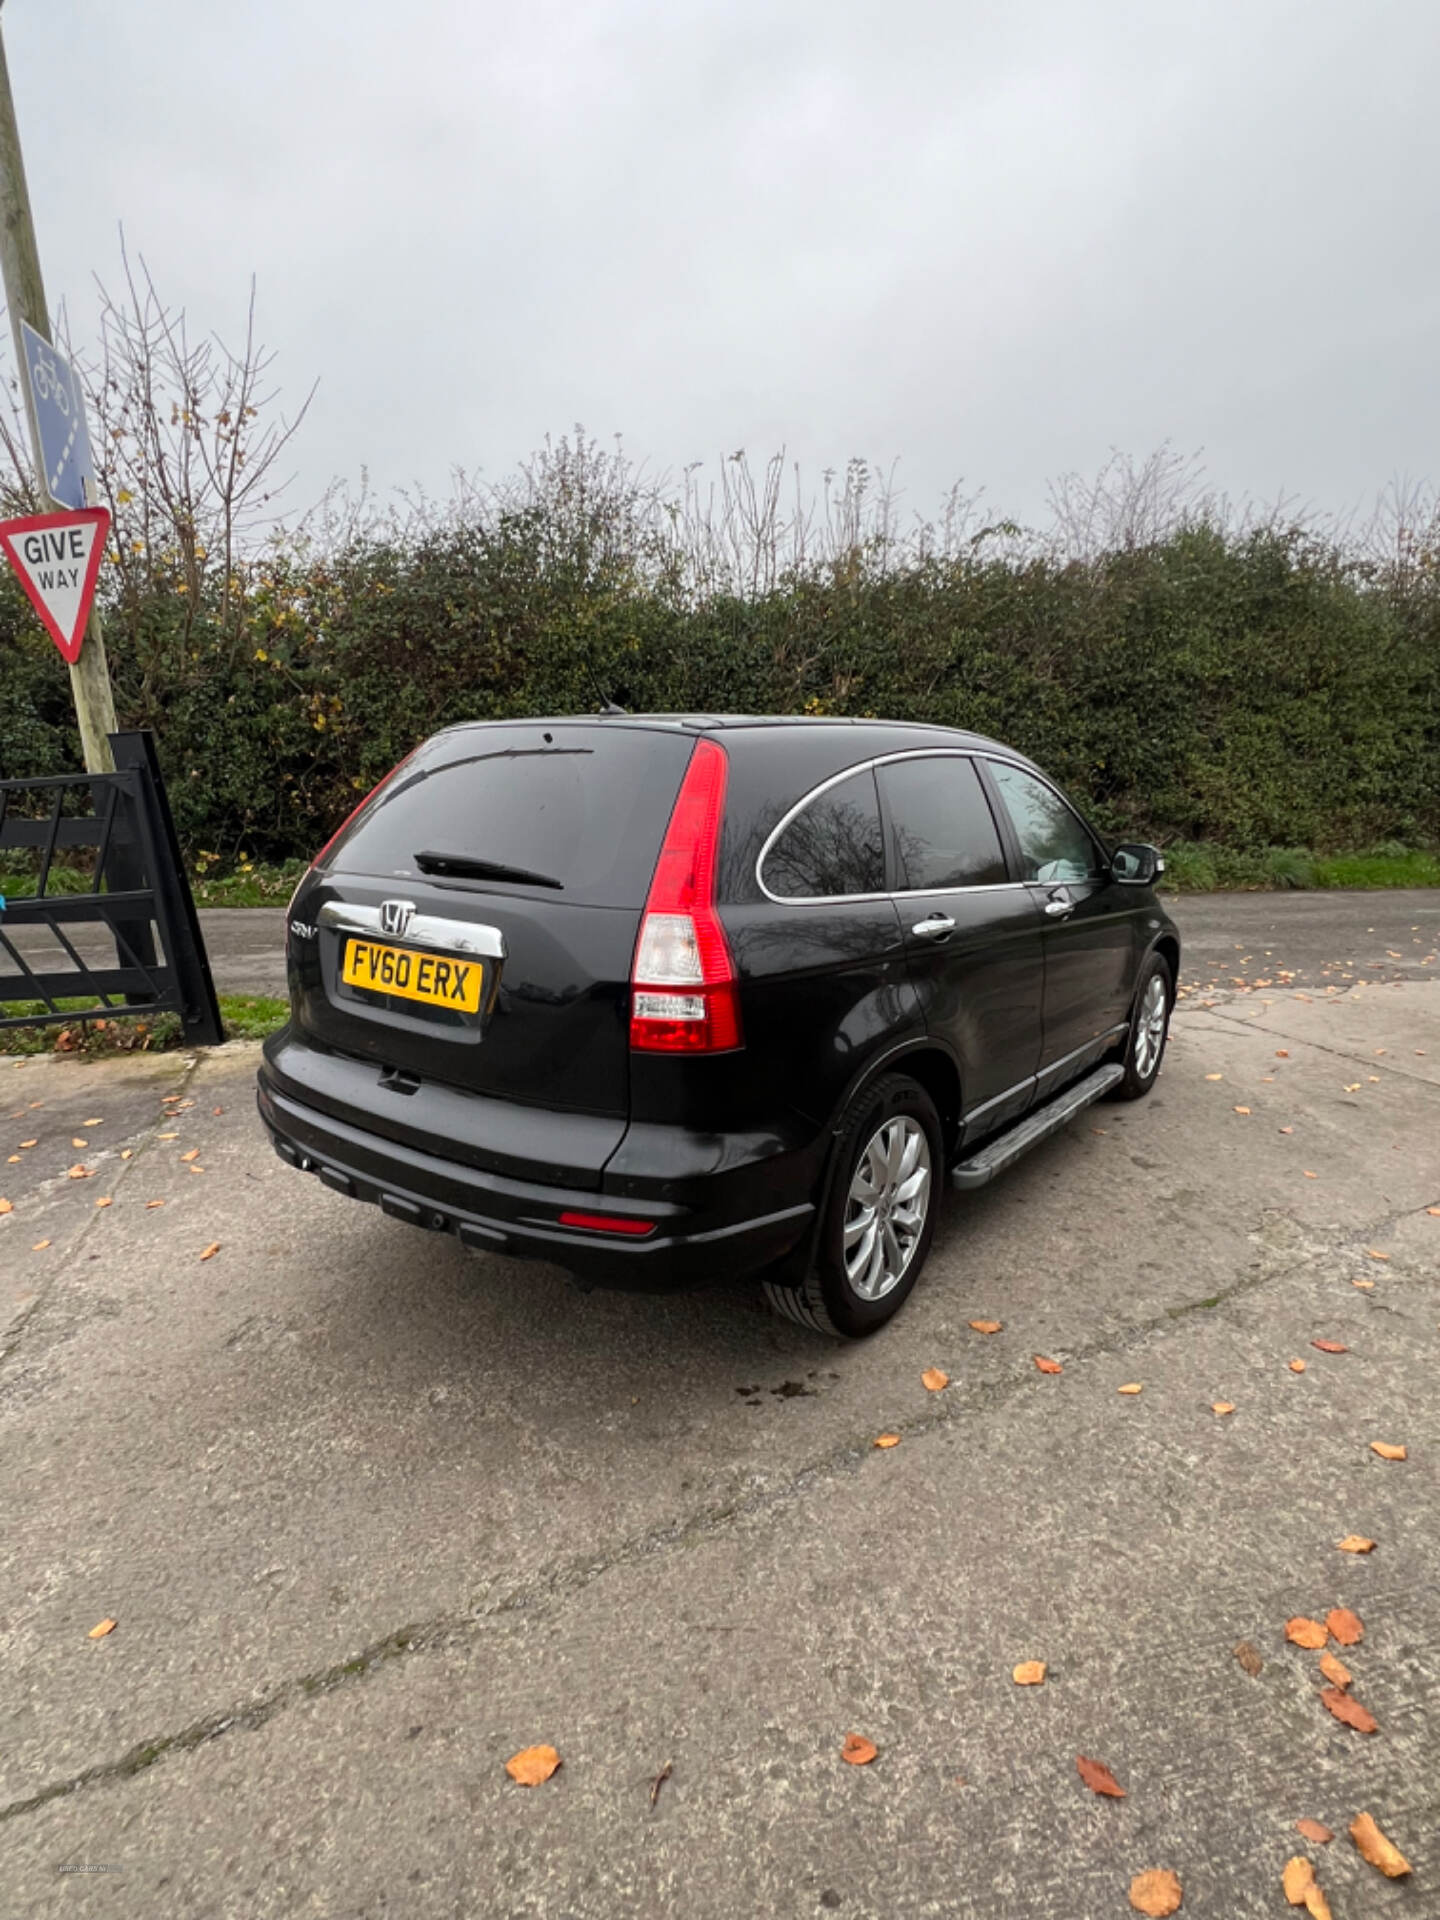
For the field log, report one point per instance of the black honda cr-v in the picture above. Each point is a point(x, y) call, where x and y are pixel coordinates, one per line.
point(665, 997)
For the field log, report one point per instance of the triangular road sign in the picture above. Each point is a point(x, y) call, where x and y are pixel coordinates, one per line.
point(56, 557)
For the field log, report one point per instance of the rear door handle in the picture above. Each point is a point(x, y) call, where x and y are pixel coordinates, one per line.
point(1059, 903)
point(936, 927)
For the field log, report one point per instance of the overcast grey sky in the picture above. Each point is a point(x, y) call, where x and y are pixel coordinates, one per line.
point(992, 238)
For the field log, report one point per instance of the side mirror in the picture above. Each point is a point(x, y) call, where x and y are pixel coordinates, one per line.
point(1136, 864)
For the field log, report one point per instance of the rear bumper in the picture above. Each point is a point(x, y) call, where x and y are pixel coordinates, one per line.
point(495, 1213)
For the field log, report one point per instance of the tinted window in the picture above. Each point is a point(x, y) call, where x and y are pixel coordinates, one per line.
point(943, 830)
point(1053, 844)
point(582, 806)
point(833, 846)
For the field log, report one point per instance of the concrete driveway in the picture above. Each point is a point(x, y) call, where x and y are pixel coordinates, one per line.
point(371, 1514)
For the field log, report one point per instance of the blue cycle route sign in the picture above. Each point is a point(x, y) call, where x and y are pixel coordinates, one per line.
point(60, 416)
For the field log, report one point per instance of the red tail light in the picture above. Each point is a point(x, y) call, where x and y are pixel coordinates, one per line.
point(684, 997)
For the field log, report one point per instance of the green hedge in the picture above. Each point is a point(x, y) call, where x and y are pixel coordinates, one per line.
point(1254, 691)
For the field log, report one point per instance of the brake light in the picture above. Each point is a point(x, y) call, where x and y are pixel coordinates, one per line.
point(684, 996)
point(384, 782)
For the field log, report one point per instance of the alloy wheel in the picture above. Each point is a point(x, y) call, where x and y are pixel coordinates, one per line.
point(1150, 1027)
point(886, 1208)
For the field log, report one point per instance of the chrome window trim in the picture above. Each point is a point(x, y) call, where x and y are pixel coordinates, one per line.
point(424, 930)
point(902, 893)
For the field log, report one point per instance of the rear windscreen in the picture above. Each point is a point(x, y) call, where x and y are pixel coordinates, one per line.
point(577, 813)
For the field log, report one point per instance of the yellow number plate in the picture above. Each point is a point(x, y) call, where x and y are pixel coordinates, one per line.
point(438, 981)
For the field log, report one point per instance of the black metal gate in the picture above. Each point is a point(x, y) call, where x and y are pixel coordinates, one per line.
point(131, 945)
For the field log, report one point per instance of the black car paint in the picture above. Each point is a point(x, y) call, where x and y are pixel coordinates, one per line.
point(541, 1108)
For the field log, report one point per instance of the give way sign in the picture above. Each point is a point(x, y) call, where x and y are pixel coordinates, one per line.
point(56, 557)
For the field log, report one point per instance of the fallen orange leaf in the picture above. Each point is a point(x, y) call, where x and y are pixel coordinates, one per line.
point(99, 1633)
point(1297, 1879)
point(7, 1206)
point(1282, 1053)
point(1133, 1386)
point(78, 1172)
point(532, 1765)
point(1312, 1830)
point(78, 1142)
point(985, 1326)
point(1375, 1254)
point(1365, 1286)
point(1355, 1543)
point(857, 1750)
point(1346, 1627)
point(886, 1440)
point(1029, 1673)
point(39, 1246)
point(1297, 1366)
point(35, 1143)
point(210, 1252)
point(1098, 1777)
point(92, 1123)
point(1375, 1848)
point(1330, 1346)
point(153, 1203)
point(1242, 1109)
point(1305, 1632)
point(1287, 1129)
point(1431, 1210)
point(1156, 1892)
point(1386, 1451)
point(1311, 1176)
point(1346, 1707)
point(1316, 1905)
point(1335, 1671)
point(105, 1200)
point(193, 1154)
point(1048, 1366)
point(1222, 1406)
point(933, 1379)
point(1214, 1076)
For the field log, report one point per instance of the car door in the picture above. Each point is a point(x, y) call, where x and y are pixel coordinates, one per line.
point(973, 933)
point(1088, 920)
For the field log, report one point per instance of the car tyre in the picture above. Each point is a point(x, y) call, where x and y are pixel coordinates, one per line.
point(879, 1215)
point(1149, 1030)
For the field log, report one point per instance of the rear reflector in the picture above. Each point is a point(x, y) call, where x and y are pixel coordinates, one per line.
point(606, 1223)
point(684, 994)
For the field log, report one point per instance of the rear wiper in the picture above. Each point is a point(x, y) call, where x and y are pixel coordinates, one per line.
point(466, 866)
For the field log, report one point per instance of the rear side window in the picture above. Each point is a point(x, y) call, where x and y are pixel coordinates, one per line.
point(832, 847)
point(943, 831)
point(1053, 843)
point(573, 813)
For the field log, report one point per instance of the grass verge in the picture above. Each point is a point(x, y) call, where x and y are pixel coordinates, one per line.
point(246, 1016)
point(1192, 866)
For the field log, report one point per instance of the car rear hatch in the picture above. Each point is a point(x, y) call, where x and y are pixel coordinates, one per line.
point(460, 956)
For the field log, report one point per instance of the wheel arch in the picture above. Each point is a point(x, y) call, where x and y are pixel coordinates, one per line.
point(935, 1069)
point(1168, 948)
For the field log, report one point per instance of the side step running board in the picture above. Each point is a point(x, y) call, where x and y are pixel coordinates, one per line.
point(993, 1158)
